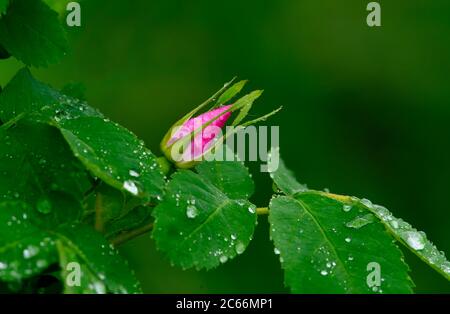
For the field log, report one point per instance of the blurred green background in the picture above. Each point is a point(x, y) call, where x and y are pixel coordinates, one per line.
point(366, 110)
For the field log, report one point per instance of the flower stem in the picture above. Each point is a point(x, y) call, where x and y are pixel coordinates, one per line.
point(129, 235)
point(262, 211)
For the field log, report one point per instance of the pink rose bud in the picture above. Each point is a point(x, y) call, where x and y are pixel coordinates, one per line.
point(196, 136)
point(192, 139)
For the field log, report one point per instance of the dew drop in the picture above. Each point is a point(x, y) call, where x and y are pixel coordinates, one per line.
point(276, 251)
point(131, 187)
point(240, 248)
point(191, 211)
point(133, 173)
point(30, 251)
point(361, 221)
point(99, 287)
point(324, 273)
point(415, 240)
point(367, 203)
point(41, 263)
point(446, 267)
point(44, 206)
point(223, 259)
point(347, 208)
point(394, 224)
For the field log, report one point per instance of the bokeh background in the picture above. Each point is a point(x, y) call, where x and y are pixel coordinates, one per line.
point(366, 110)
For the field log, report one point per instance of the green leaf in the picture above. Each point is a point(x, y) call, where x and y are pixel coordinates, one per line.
point(115, 155)
point(24, 94)
point(230, 93)
point(106, 149)
point(232, 178)
point(319, 254)
point(416, 241)
point(285, 180)
point(25, 248)
point(31, 32)
point(38, 102)
point(245, 104)
point(27, 237)
point(3, 6)
point(202, 222)
point(59, 5)
point(325, 246)
point(103, 270)
point(37, 165)
point(29, 245)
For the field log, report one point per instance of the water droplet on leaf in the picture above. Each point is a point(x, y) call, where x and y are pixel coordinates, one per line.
point(131, 187)
point(133, 173)
point(361, 221)
point(41, 263)
point(30, 251)
point(240, 248)
point(394, 224)
point(347, 208)
point(415, 240)
point(367, 203)
point(223, 259)
point(191, 211)
point(44, 206)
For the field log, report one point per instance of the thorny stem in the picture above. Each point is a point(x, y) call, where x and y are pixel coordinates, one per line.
point(130, 235)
